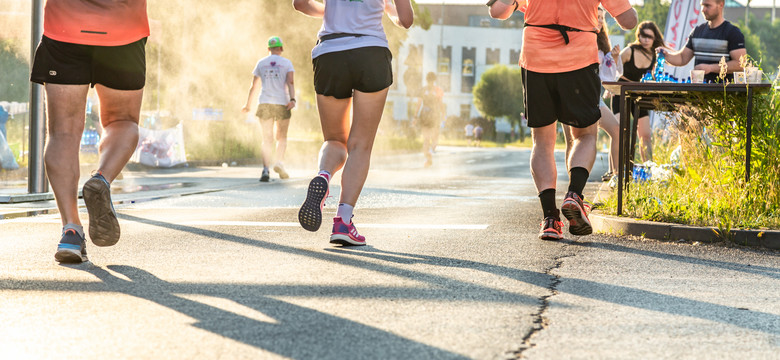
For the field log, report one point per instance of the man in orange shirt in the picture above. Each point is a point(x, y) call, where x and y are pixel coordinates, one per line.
point(100, 44)
point(560, 83)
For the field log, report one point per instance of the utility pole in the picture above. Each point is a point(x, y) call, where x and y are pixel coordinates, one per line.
point(36, 176)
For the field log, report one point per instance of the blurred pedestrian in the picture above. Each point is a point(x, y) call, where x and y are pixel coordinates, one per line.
point(428, 115)
point(99, 44)
point(274, 77)
point(469, 134)
point(478, 135)
point(352, 71)
point(638, 58)
point(559, 61)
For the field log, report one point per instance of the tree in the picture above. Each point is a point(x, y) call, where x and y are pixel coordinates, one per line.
point(14, 76)
point(656, 11)
point(499, 92)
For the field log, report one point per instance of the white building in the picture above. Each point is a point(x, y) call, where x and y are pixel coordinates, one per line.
point(471, 42)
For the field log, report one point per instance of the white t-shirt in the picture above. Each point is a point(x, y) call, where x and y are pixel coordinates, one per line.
point(352, 17)
point(609, 69)
point(273, 70)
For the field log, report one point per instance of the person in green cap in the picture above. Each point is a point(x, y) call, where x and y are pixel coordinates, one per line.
point(273, 76)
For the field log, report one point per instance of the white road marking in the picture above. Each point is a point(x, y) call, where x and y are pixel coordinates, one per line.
point(366, 226)
point(272, 224)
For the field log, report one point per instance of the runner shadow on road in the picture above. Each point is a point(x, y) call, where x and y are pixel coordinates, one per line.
point(620, 295)
point(296, 332)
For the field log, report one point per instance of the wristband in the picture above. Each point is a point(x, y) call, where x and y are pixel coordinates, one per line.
point(292, 99)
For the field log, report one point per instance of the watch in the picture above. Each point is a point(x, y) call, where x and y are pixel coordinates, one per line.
point(491, 2)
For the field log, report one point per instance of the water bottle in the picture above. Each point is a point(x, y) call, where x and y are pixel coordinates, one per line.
point(647, 77)
point(659, 65)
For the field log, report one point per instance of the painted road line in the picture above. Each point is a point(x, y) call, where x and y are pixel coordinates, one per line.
point(367, 226)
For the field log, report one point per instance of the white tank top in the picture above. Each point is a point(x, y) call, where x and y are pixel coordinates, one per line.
point(354, 17)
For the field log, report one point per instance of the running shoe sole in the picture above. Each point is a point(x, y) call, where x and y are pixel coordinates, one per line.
point(345, 240)
point(103, 224)
point(310, 215)
point(69, 256)
point(282, 174)
point(578, 220)
point(550, 235)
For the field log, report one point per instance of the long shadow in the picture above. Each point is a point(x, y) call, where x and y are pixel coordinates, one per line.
point(296, 332)
point(770, 272)
point(447, 288)
point(621, 295)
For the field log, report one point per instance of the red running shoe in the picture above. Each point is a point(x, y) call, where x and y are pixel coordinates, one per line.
point(552, 229)
point(572, 209)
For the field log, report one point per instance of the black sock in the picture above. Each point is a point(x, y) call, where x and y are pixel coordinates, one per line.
point(547, 197)
point(578, 177)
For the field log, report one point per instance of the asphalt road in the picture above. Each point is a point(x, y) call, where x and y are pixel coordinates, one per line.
point(453, 270)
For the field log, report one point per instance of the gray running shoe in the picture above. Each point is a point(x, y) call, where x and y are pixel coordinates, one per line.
point(264, 177)
point(279, 168)
point(72, 248)
point(103, 224)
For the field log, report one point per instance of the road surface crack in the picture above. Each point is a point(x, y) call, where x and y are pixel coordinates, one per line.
point(540, 320)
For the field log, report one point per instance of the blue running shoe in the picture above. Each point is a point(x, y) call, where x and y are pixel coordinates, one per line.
point(71, 248)
point(103, 224)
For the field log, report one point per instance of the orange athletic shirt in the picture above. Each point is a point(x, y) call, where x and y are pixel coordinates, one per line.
point(545, 51)
point(96, 22)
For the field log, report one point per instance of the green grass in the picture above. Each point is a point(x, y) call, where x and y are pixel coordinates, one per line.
point(709, 186)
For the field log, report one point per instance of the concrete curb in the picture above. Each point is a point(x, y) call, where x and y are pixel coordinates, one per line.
point(614, 225)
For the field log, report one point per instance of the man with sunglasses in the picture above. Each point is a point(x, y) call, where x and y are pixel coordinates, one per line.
point(560, 59)
point(710, 42)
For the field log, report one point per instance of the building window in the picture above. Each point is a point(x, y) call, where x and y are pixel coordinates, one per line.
point(514, 57)
point(492, 56)
point(465, 111)
point(443, 68)
point(468, 73)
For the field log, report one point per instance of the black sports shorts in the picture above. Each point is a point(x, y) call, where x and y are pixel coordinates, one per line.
point(616, 108)
point(366, 69)
point(273, 112)
point(570, 97)
point(116, 67)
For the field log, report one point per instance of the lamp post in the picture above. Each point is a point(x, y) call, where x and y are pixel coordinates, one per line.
point(36, 176)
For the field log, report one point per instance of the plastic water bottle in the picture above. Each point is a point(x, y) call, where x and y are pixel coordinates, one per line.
point(647, 77)
point(659, 65)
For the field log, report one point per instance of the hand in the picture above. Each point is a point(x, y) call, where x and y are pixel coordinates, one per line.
point(245, 109)
point(616, 52)
point(290, 105)
point(708, 68)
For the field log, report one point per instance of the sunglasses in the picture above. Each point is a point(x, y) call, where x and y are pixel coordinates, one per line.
point(643, 35)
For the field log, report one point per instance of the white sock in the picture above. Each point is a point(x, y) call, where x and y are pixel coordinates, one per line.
point(325, 174)
point(345, 213)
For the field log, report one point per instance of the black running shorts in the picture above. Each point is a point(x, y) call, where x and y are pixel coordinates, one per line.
point(273, 112)
point(366, 69)
point(116, 67)
point(570, 97)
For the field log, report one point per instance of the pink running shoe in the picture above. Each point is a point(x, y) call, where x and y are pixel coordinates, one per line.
point(310, 215)
point(345, 234)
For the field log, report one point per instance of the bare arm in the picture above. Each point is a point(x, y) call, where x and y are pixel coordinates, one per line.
point(502, 9)
point(256, 83)
point(291, 90)
point(628, 19)
point(677, 58)
point(400, 12)
point(309, 7)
